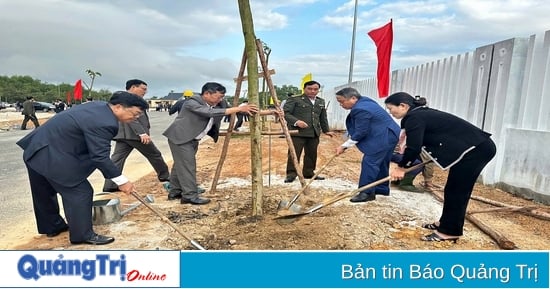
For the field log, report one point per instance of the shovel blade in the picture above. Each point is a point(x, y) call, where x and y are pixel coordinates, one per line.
point(285, 215)
point(289, 218)
point(294, 208)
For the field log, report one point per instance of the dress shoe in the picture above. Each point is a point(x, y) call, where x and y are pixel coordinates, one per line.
point(174, 196)
point(53, 234)
point(164, 180)
point(317, 178)
point(195, 201)
point(363, 197)
point(96, 239)
point(290, 179)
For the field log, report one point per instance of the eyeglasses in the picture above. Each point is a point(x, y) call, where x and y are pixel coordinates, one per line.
point(135, 113)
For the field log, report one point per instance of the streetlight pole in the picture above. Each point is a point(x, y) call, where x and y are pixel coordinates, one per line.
point(350, 76)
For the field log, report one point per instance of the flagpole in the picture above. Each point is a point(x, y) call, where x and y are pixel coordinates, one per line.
point(350, 76)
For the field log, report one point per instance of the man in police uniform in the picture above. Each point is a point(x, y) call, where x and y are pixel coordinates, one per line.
point(307, 114)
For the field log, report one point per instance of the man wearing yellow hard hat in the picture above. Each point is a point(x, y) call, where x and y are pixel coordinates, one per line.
point(177, 106)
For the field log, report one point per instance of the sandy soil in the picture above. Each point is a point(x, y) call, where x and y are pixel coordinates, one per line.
point(389, 223)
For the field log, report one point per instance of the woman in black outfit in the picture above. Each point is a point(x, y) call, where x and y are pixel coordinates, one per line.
point(453, 144)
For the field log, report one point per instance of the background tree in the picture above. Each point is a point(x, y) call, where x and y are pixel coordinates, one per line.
point(92, 75)
point(285, 90)
point(17, 88)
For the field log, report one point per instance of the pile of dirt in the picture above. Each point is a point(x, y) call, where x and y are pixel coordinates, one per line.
point(389, 223)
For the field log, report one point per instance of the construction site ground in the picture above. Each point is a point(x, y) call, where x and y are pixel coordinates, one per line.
point(389, 223)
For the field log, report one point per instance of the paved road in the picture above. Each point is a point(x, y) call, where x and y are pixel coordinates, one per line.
point(15, 198)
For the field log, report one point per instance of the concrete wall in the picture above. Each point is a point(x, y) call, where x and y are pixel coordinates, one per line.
point(503, 88)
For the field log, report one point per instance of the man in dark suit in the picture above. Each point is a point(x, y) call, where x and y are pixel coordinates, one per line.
point(62, 164)
point(200, 116)
point(136, 135)
point(308, 114)
point(29, 113)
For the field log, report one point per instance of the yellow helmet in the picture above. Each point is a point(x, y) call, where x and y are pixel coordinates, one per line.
point(188, 93)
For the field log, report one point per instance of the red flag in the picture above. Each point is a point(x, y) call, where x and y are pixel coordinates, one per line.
point(68, 97)
point(77, 92)
point(383, 39)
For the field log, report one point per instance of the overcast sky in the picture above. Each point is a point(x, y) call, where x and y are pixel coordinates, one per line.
point(178, 45)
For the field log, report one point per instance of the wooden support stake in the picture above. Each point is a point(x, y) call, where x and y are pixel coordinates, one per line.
point(262, 74)
point(531, 212)
point(282, 120)
point(501, 240)
point(230, 128)
point(284, 127)
point(223, 133)
point(502, 209)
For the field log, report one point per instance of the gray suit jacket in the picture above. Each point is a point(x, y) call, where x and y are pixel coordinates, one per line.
point(133, 129)
point(193, 119)
point(71, 145)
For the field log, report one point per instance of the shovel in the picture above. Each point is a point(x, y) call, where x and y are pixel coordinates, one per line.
point(289, 207)
point(167, 221)
point(148, 198)
point(289, 218)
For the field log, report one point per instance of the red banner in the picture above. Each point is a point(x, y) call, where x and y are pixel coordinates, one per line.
point(383, 39)
point(77, 92)
point(68, 97)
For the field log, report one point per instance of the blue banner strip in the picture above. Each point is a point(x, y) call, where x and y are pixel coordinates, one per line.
point(365, 269)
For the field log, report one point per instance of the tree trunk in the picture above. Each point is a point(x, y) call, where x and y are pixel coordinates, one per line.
point(253, 98)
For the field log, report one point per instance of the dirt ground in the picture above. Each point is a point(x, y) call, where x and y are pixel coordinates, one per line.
point(389, 223)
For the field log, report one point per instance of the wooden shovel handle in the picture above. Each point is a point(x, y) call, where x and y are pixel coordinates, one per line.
point(167, 221)
point(341, 196)
point(297, 195)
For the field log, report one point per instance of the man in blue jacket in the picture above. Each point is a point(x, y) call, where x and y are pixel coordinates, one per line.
point(62, 153)
point(375, 134)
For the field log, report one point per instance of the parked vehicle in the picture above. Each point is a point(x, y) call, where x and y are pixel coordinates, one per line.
point(4, 105)
point(43, 106)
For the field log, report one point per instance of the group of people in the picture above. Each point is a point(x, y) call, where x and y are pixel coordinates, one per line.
point(450, 142)
point(447, 140)
point(59, 105)
point(424, 135)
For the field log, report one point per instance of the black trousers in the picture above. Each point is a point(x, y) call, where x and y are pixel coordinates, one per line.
point(122, 150)
point(32, 118)
point(240, 119)
point(460, 183)
point(309, 146)
point(77, 205)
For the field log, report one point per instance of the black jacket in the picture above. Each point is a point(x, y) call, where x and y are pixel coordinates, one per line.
point(445, 137)
point(176, 108)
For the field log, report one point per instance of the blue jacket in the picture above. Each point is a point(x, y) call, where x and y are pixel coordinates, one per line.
point(372, 127)
point(71, 145)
